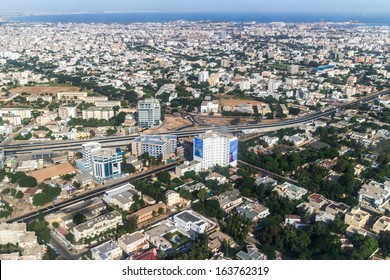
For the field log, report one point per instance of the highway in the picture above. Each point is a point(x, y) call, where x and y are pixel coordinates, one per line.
point(55, 207)
point(124, 140)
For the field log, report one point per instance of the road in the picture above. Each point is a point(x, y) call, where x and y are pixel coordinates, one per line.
point(52, 208)
point(269, 173)
point(124, 140)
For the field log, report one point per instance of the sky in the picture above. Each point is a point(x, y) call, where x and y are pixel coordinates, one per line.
point(261, 6)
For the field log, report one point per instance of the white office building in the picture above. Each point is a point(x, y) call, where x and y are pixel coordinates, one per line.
point(107, 164)
point(203, 76)
point(149, 113)
point(154, 145)
point(87, 150)
point(214, 148)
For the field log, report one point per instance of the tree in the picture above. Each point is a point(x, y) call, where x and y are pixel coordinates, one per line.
point(28, 182)
point(160, 211)
point(384, 243)
point(164, 177)
point(202, 194)
point(79, 219)
point(55, 225)
point(19, 195)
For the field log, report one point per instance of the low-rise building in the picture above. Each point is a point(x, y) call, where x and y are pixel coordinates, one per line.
point(107, 251)
point(251, 254)
point(209, 106)
point(229, 200)
point(97, 225)
point(382, 224)
point(172, 198)
point(290, 191)
point(149, 212)
point(188, 166)
point(100, 113)
point(133, 242)
point(374, 193)
point(191, 223)
point(357, 217)
point(253, 211)
point(121, 196)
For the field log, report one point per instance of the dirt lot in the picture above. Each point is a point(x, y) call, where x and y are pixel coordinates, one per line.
point(169, 124)
point(235, 102)
point(37, 90)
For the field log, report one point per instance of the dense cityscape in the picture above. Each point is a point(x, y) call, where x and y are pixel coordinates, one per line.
point(194, 140)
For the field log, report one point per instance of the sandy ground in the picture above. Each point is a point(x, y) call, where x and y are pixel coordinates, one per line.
point(235, 102)
point(169, 124)
point(36, 90)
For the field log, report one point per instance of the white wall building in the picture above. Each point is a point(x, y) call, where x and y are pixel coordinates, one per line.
point(149, 113)
point(214, 148)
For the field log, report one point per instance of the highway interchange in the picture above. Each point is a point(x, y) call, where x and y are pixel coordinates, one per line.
point(124, 140)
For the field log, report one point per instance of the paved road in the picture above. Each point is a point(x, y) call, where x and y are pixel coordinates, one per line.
point(52, 208)
point(269, 173)
point(123, 140)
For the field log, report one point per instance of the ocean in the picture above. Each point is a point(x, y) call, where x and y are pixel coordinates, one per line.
point(124, 18)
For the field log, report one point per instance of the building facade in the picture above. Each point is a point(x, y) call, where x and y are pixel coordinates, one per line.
point(149, 113)
point(154, 145)
point(214, 148)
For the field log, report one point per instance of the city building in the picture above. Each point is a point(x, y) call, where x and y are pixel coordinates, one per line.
point(149, 212)
point(107, 164)
point(251, 254)
point(357, 217)
point(229, 200)
point(155, 145)
point(100, 113)
point(172, 198)
point(253, 211)
point(22, 112)
point(87, 150)
point(72, 95)
point(191, 223)
point(107, 251)
point(214, 148)
point(149, 113)
point(187, 166)
point(290, 191)
point(133, 242)
point(17, 234)
point(382, 224)
point(121, 196)
point(293, 69)
point(375, 194)
point(97, 225)
point(203, 76)
point(209, 107)
point(67, 112)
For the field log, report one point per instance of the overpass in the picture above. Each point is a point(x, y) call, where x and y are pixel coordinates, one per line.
point(116, 141)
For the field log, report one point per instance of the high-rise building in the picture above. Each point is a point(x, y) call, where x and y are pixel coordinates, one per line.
point(293, 69)
point(149, 113)
point(214, 148)
point(154, 145)
point(87, 150)
point(203, 76)
point(107, 164)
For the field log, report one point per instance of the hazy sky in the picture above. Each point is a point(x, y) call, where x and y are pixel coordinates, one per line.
point(283, 6)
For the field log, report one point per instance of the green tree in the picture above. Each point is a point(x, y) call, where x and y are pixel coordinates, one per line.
point(202, 194)
point(384, 243)
point(28, 182)
point(164, 177)
point(79, 218)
